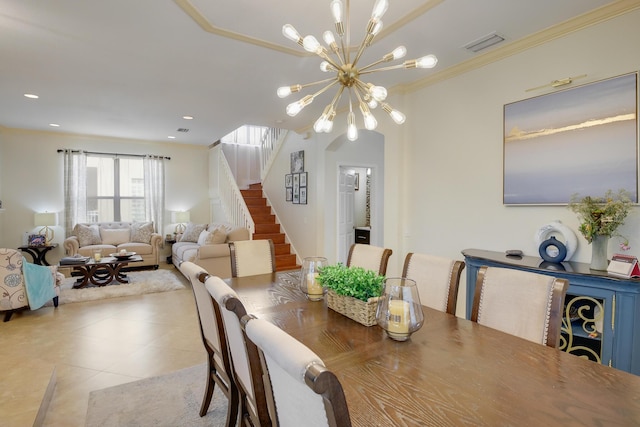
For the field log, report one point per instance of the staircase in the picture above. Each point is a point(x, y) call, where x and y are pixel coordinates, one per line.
point(267, 228)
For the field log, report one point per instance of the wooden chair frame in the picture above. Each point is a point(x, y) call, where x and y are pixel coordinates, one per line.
point(560, 287)
point(218, 374)
point(454, 281)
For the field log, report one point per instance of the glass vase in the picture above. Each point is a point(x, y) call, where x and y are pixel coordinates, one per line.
point(399, 311)
point(599, 249)
point(309, 283)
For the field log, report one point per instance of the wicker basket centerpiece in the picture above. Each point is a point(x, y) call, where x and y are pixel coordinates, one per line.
point(352, 291)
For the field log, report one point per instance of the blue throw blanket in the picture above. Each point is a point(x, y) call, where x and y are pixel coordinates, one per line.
point(39, 284)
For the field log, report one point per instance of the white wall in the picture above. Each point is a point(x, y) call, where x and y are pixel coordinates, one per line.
point(31, 178)
point(454, 146)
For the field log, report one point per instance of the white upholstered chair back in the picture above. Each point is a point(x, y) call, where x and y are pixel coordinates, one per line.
point(369, 257)
point(521, 303)
point(295, 376)
point(247, 370)
point(437, 279)
point(252, 257)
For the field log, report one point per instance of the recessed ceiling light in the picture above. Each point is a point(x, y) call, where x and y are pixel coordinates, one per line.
point(54, 125)
point(187, 117)
point(31, 95)
point(171, 137)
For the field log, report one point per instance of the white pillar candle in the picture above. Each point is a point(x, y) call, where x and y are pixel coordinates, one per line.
point(314, 288)
point(398, 317)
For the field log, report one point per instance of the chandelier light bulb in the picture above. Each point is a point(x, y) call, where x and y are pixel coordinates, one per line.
point(428, 61)
point(336, 11)
point(352, 130)
point(328, 37)
point(295, 107)
point(399, 52)
point(326, 67)
point(379, 9)
point(372, 103)
point(320, 124)
point(378, 93)
point(370, 122)
point(291, 33)
point(395, 115)
point(311, 44)
point(284, 91)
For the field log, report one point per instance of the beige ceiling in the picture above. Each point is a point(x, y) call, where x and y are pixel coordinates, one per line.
point(133, 68)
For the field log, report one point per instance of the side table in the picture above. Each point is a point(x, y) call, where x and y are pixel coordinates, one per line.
point(170, 242)
point(38, 253)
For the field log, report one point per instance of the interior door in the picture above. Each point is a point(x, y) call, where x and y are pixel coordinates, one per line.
point(346, 194)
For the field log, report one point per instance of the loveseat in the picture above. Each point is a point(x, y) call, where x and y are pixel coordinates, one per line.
point(111, 237)
point(207, 245)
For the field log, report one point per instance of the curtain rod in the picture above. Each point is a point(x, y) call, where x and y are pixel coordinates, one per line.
point(114, 154)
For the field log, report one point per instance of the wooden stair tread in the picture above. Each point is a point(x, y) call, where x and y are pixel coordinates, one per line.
point(266, 227)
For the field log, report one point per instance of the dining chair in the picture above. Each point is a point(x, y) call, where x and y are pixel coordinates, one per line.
point(214, 339)
point(521, 303)
point(437, 279)
point(369, 257)
point(305, 392)
point(252, 257)
point(245, 358)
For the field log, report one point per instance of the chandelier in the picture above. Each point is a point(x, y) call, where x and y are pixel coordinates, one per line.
point(348, 76)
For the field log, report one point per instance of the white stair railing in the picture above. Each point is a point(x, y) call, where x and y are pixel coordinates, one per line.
point(233, 204)
point(269, 145)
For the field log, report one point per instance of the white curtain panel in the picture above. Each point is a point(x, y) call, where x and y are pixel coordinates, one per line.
point(154, 167)
point(75, 189)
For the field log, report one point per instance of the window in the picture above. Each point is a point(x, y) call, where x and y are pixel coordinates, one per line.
point(115, 189)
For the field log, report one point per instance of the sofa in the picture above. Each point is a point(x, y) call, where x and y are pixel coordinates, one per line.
point(111, 237)
point(207, 245)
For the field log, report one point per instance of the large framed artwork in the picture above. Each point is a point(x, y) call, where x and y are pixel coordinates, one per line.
point(580, 140)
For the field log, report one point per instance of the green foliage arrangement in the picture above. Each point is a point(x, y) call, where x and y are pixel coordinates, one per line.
point(601, 216)
point(354, 282)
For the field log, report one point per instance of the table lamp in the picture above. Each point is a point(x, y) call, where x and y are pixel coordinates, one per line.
point(181, 217)
point(46, 220)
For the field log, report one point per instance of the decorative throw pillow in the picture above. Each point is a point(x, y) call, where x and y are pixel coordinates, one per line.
point(115, 236)
point(88, 234)
point(141, 232)
point(202, 239)
point(216, 237)
point(192, 232)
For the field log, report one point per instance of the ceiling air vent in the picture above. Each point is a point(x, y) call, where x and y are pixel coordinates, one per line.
point(484, 42)
point(185, 130)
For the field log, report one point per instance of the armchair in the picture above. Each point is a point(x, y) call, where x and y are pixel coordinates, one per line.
point(19, 293)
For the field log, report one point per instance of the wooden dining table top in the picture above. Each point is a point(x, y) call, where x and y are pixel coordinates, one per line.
point(450, 372)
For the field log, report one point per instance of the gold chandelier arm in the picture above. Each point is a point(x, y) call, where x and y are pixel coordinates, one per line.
point(317, 82)
point(391, 67)
point(324, 89)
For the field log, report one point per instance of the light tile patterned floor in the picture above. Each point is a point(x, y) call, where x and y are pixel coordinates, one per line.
point(99, 344)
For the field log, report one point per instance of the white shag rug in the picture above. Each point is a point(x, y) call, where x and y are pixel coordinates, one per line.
point(165, 401)
point(140, 282)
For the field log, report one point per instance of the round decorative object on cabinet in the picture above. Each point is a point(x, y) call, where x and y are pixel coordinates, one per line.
point(552, 250)
point(570, 240)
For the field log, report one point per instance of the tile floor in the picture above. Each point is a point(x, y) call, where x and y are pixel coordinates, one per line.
point(98, 344)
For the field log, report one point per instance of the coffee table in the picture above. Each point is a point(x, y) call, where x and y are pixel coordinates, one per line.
point(103, 272)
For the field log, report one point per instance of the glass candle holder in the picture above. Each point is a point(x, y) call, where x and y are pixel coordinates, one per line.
point(309, 283)
point(399, 310)
point(97, 255)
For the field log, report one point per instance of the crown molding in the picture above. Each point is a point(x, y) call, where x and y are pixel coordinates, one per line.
point(578, 23)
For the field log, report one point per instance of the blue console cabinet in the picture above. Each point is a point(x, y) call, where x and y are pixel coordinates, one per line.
point(602, 312)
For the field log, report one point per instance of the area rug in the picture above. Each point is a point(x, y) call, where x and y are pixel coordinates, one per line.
point(140, 282)
point(167, 400)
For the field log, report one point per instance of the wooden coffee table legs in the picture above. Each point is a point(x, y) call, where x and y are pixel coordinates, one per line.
point(100, 275)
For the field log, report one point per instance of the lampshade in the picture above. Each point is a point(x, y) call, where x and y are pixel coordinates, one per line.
point(180, 216)
point(44, 219)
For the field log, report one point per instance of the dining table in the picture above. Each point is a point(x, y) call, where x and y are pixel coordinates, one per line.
point(451, 372)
